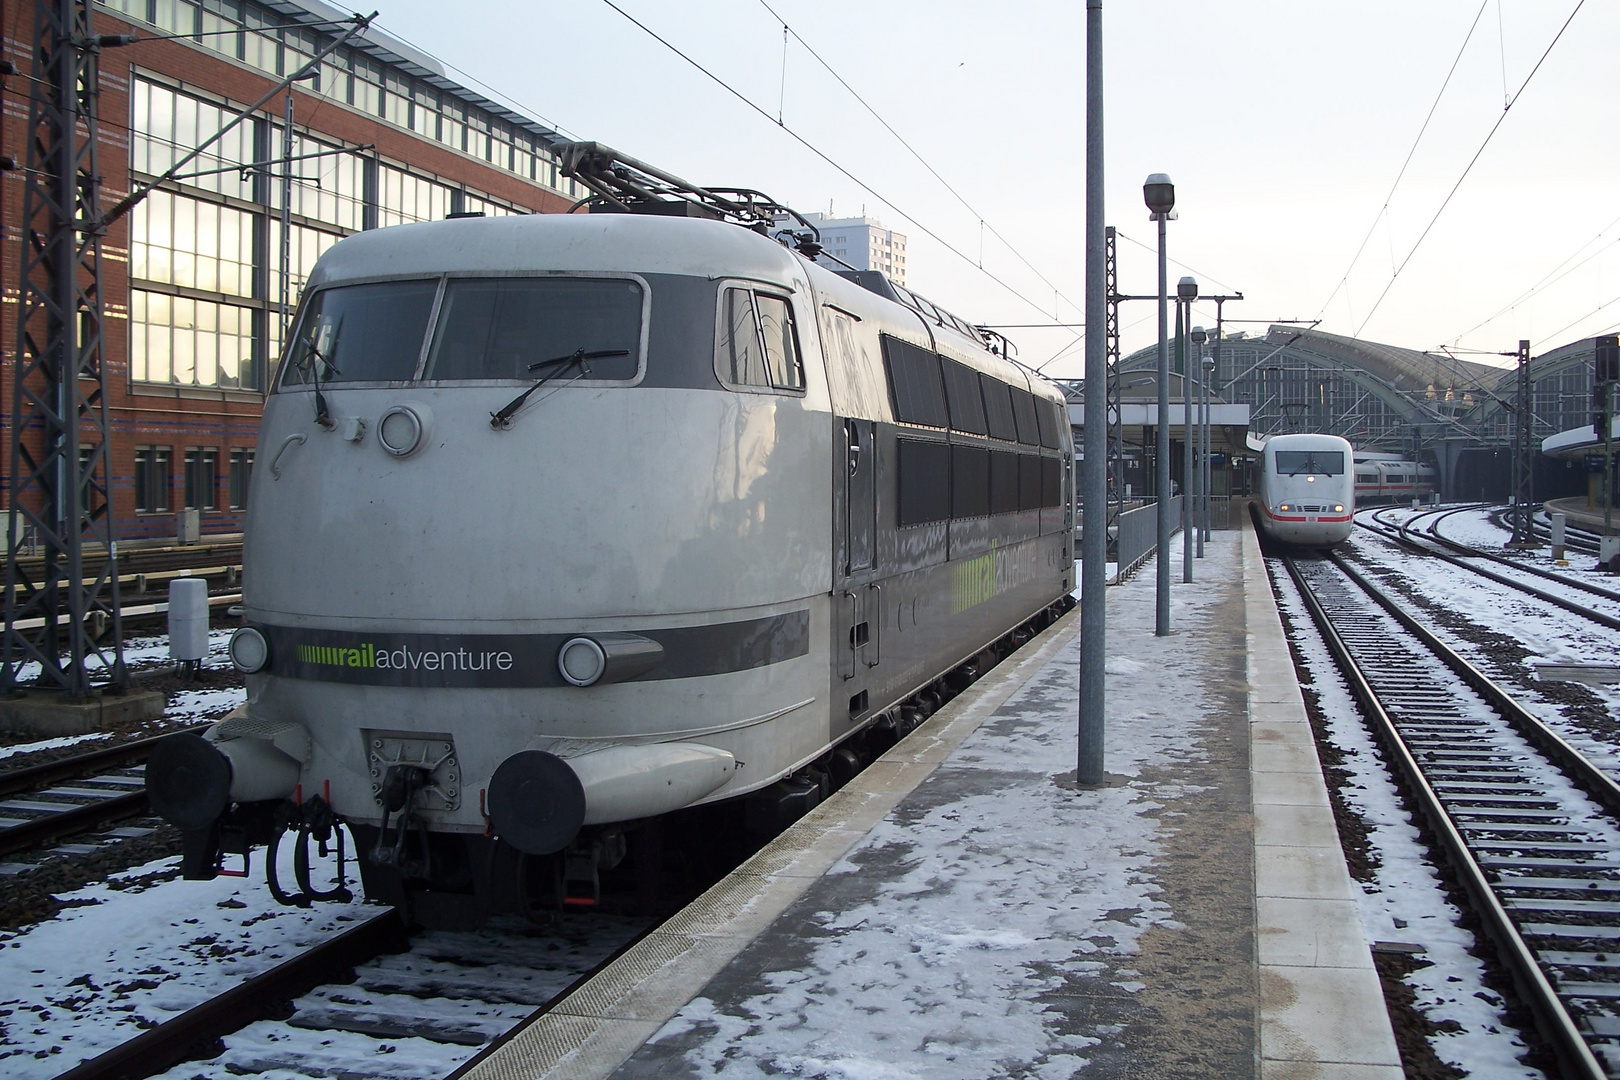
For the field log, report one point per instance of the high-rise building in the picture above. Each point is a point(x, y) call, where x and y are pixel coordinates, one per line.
point(861, 242)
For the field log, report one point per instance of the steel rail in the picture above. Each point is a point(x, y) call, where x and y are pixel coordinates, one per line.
point(72, 818)
point(1473, 552)
point(1553, 1020)
point(68, 768)
point(76, 817)
point(1599, 617)
point(169, 1044)
point(1591, 779)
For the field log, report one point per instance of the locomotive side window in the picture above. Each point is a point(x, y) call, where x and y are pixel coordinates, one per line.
point(925, 481)
point(757, 345)
point(998, 408)
point(502, 327)
point(742, 360)
point(1024, 417)
point(782, 359)
point(360, 333)
point(1046, 418)
point(963, 397)
point(914, 383)
point(970, 482)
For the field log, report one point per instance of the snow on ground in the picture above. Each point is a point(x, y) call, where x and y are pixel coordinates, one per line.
point(184, 707)
point(124, 958)
point(979, 905)
point(1405, 901)
point(1549, 633)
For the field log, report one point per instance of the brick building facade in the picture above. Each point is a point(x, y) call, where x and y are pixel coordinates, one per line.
point(192, 278)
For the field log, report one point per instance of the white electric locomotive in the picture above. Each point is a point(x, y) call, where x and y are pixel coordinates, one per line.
point(567, 522)
point(1306, 492)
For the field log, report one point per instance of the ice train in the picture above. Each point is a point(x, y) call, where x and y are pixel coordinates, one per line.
point(1306, 490)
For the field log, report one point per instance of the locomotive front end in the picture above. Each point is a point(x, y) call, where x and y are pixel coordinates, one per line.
point(491, 553)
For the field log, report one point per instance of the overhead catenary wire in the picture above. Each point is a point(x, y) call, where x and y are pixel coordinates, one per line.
point(1547, 279)
point(1383, 210)
point(983, 223)
point(1470, 166)
point(818, 152)
point(1200, 275)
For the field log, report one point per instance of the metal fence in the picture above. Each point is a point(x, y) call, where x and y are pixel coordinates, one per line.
point(1139, 535)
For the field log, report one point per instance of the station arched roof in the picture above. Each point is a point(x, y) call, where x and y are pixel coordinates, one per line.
point(1386, 393)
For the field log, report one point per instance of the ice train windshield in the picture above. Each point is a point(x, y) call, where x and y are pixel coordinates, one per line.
point(1320, 462)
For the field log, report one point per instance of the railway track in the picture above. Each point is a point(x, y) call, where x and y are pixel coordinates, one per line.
point(73, 795)
point(1575, 538)
point(1529, 826)
point(1432, 529)
point(1459, 555)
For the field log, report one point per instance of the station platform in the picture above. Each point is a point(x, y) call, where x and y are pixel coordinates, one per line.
point(960, 909)
point(1580, 512)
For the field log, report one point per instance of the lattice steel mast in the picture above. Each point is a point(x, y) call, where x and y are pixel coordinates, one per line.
point(1524, 453)
point(60, 462)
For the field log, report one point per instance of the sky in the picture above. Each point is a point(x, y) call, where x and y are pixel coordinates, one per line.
point(1291, 130)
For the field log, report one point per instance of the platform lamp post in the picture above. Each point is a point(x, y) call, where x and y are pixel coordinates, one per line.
point(1196, 361)
point(1160, 195)
point(1186, 293)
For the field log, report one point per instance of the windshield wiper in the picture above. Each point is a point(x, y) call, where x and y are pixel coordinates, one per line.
point(322, 416)
point(503, 419)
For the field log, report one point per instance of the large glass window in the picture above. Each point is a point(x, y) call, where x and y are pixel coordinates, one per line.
point(168, 124)
point(361, 333)
point(199, 245)
point(511, 328)
point(403, 198)
point(307, 245)
point(189, 342)
point(329, 188)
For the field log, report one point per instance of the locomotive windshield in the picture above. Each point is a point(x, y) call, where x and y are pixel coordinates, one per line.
point(360, 333)
point(499, 328)
point(1320, 462)
point(495, 328)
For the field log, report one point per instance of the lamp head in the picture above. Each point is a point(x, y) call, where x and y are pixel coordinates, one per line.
point(1187, 288)
point(1159, 193)
point(1198, 336)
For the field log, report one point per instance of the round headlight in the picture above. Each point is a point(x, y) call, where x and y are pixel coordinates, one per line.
point(401, 430)
point(249, 650)
point(1338, 508)
point(1310, 479)
point(581, 661)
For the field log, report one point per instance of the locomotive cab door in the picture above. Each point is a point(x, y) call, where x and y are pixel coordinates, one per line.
point(860, 496)
point(859, 603)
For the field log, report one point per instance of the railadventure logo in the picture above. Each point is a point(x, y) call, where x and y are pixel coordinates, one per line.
point(366, 655)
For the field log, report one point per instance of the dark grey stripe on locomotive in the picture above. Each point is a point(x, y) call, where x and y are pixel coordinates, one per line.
point(521, 660)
